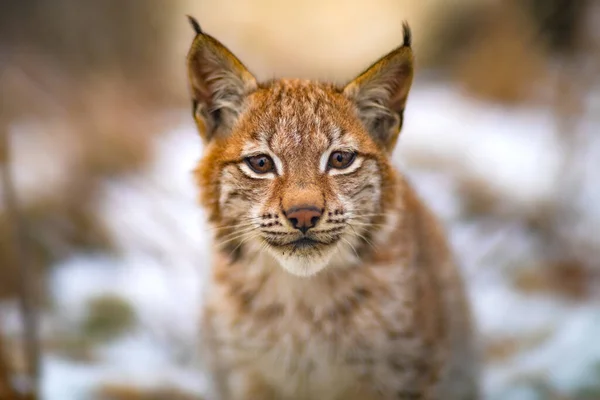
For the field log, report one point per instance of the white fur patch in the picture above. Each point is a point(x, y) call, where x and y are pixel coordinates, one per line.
point(303, 266)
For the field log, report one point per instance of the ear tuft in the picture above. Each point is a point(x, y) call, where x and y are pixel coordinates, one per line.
point(219, 84)
point(407, 35)
point(195, 25)
point(381, 91)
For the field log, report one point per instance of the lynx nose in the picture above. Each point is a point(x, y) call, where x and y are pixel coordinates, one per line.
point(303, 217)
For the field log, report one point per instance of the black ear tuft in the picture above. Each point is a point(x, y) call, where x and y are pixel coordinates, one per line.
point(407, 41)
point(195, 25)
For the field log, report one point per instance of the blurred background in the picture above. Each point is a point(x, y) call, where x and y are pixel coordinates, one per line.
point(103, 250)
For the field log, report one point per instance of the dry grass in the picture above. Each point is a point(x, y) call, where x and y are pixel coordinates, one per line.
point(54, 230)
point(7, 387)
point(501, 349)
point(108, 317)
point(478, 198)
point(72, 346)
point(569, 279)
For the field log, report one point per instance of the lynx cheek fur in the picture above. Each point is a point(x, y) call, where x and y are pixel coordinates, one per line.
point(330, 278)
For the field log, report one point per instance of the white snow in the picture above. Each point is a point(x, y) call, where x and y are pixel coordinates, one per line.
point(511, 149)
point(66, 380)
point(163, 253)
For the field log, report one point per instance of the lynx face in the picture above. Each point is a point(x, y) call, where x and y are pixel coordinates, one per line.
point(296, 168)
point(300, 175)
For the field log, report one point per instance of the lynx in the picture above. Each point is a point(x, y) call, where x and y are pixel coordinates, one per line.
point(330, 278)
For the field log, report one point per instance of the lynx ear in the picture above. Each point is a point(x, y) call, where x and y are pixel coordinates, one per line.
point(380, 93)
point(219, 83)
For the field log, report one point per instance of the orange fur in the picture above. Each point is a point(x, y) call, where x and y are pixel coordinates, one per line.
point(373, 307)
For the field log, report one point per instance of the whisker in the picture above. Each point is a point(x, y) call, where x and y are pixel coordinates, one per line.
point(241, 243)
point(335, 230)
point(363, 237)
point(237, 231)
point(351, 246)
point(370, 215)
point(224, 228)
point(243, 235)
point(369, 224)
point(246, 222)
point(264, 245)
point(351, 215)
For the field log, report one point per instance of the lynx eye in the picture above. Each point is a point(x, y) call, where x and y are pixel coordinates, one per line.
point(261, 164)
point(341, 159)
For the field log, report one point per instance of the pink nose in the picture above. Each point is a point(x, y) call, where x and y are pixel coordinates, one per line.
point(303, 217)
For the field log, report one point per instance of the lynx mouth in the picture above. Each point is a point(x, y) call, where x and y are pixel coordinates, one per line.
point(304, 242)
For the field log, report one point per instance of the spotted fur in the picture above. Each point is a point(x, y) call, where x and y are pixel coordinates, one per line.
point(374, 308)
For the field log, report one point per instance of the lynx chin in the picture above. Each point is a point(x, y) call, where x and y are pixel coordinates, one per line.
point(331, 279)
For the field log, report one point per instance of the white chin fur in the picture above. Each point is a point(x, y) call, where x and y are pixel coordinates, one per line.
point(302, 266)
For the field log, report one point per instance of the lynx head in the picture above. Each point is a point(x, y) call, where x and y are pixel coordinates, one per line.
point(297, 169)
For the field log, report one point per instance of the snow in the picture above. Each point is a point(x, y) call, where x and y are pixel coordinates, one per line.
point(164, 245)
point(569, 359)
point(163, 251)
point(67, 380)
point(508, 148)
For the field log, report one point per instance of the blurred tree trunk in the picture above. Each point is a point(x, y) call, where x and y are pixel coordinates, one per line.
point(26, 296)
point(6, 391)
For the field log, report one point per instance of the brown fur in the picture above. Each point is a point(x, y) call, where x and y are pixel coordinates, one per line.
point(375, 310)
